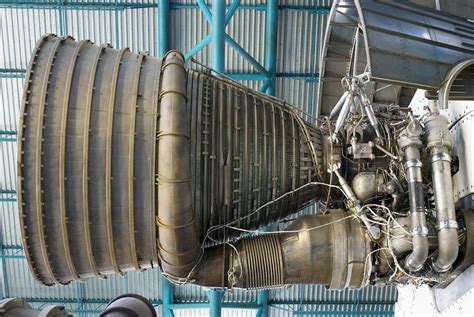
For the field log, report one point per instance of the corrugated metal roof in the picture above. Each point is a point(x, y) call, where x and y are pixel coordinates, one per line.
point(309, 293)
point(204, 312)
point(300, 34)
point(330, 310)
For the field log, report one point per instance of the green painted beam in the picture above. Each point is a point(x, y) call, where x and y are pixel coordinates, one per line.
point(167, 290)
point(215, 302)
point(8, 136)
point(163, 27)
point(7, 195)
point(12, 73)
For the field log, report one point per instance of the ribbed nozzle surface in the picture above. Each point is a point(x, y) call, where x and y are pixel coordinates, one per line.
point(115, 144)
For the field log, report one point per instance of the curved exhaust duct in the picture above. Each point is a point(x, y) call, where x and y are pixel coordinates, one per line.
point(127, 160)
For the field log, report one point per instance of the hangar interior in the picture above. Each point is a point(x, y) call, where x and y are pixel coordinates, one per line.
point(270, 46)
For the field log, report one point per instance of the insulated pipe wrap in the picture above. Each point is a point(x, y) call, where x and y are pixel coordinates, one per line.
point(445, 212)
point(178, 243)
point(439, 141)
point(410, 143)
point(115, 144)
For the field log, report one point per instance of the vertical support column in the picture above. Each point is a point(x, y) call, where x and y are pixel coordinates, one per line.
point(61, 18)
point(3, 270)
point(262, 301)
point(167, 297)
point(271, 32)
point(4, 280)
point(80, 298)
point(163, 27)
point(313, 67)
point(117, 15)
point(218, 35)
point(126, 284)
point(215, 299)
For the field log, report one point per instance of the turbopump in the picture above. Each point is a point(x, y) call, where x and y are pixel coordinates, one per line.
point(129, 162)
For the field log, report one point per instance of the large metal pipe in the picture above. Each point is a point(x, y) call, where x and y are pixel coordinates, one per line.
point(331, 249)
point(337, 107)
point(410, 143)
point(178, 245)
point(113, 144)
point(439, 141)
